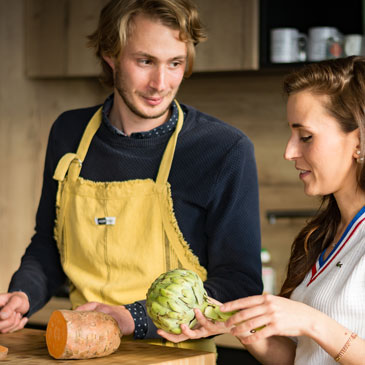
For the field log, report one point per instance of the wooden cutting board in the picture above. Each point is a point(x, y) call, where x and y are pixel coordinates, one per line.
point(29, 347)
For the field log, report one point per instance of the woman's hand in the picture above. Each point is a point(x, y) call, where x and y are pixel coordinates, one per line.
point(118, 312)
point(266, 315)
point(204, 328)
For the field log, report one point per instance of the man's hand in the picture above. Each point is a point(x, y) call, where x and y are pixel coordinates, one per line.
point(118, 312)
point(12, 308)
point(204, 328)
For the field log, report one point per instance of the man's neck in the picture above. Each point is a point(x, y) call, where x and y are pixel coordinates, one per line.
point(128, 122)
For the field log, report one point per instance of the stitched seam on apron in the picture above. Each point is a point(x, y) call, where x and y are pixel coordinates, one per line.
point(107, 263)
point(189, 254)
point(167, 252)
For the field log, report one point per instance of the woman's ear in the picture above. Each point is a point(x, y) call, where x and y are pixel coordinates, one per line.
point(357, 153)
point(110, 61)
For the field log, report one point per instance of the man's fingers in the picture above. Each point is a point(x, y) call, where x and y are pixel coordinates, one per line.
point(17, 302)
point(4, 299)
point(19, 325)
point(7, 324)
point(90, 306)
point(15, 323)
point(171, 337)
point(5, 312)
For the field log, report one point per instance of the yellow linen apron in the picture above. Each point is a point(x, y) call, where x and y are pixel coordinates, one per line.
point(115, 238)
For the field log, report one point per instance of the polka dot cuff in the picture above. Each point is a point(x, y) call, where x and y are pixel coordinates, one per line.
point(140, 319)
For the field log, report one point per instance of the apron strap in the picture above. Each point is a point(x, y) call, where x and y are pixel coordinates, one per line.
point(165, 166)
point(64, 164)
point(72, 162)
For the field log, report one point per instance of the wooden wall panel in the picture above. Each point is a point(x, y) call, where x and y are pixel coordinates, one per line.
point(46, 44)
point(83, 18)
point(27, 110)
point(253, 102)
point(250, 35)
point(221, 25)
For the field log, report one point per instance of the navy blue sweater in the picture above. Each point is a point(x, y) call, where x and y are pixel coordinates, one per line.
point(214, 190)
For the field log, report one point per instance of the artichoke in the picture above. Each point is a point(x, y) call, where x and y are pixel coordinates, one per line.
point(172, 297)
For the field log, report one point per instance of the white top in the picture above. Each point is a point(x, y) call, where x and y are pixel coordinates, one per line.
point(336, 287)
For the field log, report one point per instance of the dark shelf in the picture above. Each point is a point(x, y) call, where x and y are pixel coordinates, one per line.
point(273, 215)
point(348, 19)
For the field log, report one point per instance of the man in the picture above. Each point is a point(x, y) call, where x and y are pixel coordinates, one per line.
point(141, 185)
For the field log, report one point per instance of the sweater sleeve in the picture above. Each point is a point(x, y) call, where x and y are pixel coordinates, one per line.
point(233, 230)
point(40, 273)
point(233, 227)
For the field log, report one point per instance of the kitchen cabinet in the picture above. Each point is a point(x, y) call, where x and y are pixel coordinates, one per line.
point(56, 31)
point(233, 35)
point(55, 38)
point(238, 32)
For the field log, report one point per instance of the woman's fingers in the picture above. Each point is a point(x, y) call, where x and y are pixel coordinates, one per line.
point(251, 336)
point(243, 303)
point(251, 326)
point(246, 315)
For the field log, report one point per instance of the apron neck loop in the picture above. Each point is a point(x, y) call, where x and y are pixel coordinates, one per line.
point(92, 127)
point(165, 166)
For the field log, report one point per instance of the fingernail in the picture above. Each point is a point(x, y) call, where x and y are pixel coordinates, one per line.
point(222, 307)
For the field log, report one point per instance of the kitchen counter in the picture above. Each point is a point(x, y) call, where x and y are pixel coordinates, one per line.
point(28, 346)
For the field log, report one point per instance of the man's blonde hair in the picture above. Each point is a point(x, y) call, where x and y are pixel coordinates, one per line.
point(115, 26)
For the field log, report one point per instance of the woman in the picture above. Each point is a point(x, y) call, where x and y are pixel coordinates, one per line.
point(319, 315)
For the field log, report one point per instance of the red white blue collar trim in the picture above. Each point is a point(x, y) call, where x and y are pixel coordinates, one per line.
point(322, 263)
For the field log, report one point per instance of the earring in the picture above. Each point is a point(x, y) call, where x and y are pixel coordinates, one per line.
point(359, 159)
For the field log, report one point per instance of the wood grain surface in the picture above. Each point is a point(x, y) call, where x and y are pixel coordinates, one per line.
point(29, 347)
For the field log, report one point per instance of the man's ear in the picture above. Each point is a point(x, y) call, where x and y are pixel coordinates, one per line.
point(110, 61)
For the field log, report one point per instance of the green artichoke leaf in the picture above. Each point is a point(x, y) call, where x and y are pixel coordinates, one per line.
point(175, 315)
point(172, 297)
point(175, 288)
point(188, 297)
point(198, 295)
point(167, 293)
point(162, 300)
point(169, 325)
point(158, 309)
point(210, 313)
point(175, 306)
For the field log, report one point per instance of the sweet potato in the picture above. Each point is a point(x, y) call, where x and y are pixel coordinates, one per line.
point(81, 334)
point(3, 352)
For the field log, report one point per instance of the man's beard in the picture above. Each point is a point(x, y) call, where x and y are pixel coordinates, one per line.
point(119, 85)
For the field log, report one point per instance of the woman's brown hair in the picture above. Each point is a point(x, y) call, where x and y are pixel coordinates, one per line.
point(115, 25)
point(343, 82)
